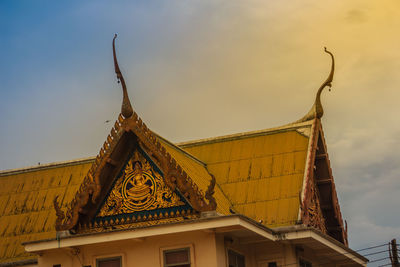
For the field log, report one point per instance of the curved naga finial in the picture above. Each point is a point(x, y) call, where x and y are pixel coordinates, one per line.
point(126, 108)
point(317, 111)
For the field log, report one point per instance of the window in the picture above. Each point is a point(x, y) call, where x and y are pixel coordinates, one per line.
point(177, 257)
point(235, 259)
point(109, 262)
point(305, 264)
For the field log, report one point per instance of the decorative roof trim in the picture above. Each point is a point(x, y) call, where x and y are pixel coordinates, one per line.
point(310, 209)
point(123, 223)
point(308, 168)
point(335, 200)
point(180, 149)
point(316, 110)
point(174, 175)
point(126, 108)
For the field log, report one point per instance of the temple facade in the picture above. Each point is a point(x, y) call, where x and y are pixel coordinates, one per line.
point(257, 199)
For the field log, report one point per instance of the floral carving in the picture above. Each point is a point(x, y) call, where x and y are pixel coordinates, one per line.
point(315, 216)
point(139, 188)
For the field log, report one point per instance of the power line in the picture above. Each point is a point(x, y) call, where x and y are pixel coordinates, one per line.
point(376, 253)
point(322, 264)
point(379, 260)
point(350, 258)
point(372, 247)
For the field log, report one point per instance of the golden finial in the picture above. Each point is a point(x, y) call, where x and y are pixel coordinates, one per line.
point(126, 108)
point(317, 111)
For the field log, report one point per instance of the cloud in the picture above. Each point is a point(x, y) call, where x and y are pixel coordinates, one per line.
point(356, 16)
point(190, 65)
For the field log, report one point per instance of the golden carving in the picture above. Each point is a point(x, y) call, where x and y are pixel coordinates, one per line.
point(139, 188)
point(126, 108)
point(174, 175)
point(316, 110)
point(128, 225)
point(316, 218)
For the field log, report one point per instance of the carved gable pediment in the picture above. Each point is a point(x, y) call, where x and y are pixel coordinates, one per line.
point(140, 190)
point(135, 179)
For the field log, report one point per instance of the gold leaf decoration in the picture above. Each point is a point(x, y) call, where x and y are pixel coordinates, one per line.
point(139, 188)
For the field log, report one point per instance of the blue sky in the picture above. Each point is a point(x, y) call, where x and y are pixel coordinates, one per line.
point(198, 69)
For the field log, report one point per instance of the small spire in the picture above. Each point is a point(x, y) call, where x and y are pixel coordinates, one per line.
point(126, 108)
point(316, 110)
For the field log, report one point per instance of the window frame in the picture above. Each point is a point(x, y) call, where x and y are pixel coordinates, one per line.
point(305, 261)
point(278, 261)
point(189, 247)
point(96, 258)
point(236, 252)
point(100, 259)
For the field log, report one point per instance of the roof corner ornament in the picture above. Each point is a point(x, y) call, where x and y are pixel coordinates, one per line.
point(59, 213)
point(126, 108)
point(316, 111)
point(209, 195)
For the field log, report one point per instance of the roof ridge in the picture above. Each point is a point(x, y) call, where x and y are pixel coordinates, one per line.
point(228, 137)
point(178, 146)
point(50, 165)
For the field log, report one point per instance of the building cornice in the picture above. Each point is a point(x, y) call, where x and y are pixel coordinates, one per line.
point(217, 224)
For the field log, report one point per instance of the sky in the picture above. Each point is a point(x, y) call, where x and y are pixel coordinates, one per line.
point(198, 69)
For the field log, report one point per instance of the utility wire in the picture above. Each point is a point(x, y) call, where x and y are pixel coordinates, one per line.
point(379, 260)
point(375, 253)
point(322, 264)
point(363, 249)
point(350, 258)
point(372, 247)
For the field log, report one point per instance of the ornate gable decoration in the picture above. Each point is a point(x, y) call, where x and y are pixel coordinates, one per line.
point(317, 111)
point(139, 188)
point(319, 206)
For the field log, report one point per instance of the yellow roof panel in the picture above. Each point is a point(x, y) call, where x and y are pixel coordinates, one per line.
point(261, 174)
point(26, 204)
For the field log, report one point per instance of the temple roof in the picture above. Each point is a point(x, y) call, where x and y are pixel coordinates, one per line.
point(273, 176)
point(253, 171)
